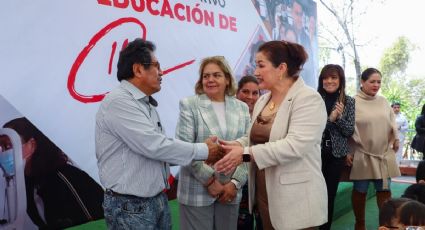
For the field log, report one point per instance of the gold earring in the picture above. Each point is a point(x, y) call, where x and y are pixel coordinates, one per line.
point(281, 77)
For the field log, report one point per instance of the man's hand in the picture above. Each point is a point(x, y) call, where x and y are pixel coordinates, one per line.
point(215, 189)
point(215, 151)
point(229, 193)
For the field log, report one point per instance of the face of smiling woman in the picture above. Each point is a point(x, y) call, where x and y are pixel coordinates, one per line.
point(249, 94)
point(331, 82)
point(214, 82)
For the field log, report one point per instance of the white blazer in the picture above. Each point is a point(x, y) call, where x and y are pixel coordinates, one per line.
point(296, 189)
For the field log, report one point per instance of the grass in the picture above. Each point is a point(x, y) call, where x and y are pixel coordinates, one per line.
point(344, 217)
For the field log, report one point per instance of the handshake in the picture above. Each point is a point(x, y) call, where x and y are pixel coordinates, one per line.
point(215, 151)
point(225, 156)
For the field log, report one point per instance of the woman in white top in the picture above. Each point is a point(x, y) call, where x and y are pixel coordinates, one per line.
point(209, 200)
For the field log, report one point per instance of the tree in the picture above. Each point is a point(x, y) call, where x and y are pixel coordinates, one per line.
point(343, 38)
point(396, 58)
point(396, 86)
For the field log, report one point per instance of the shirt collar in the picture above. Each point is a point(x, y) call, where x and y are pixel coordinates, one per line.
point(137, 93)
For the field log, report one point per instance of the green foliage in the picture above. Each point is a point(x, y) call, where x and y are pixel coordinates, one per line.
point(396, 87)
point(402, 94)
point(396, 58)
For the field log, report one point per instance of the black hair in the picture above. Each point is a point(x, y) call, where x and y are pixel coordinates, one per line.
point(412, 213)
point(420, 171)
point(368, 72)
point(415, 192)
point(46, 158)
point(246, 79)
point(388, 211)
point(395, 103)
point(278, 52)
point(138, 51)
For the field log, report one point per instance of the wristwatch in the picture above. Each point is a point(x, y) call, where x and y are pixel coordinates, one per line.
point(246, 156)
point(236, 183)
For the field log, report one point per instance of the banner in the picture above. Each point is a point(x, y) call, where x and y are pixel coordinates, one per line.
point(58, 58)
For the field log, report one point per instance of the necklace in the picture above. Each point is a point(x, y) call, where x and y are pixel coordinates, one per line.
point(272, 106)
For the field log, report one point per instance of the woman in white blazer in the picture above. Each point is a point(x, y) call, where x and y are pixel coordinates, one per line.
point(283, 143)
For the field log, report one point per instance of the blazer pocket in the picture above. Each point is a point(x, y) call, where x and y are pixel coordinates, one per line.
point(294, 177)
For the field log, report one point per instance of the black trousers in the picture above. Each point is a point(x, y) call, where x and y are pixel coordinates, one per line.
point(331, 169)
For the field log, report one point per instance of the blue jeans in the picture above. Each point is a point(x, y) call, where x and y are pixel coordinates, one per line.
point(131, 212)
point(363, 185)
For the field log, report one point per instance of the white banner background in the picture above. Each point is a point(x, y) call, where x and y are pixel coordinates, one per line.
point(42, 39)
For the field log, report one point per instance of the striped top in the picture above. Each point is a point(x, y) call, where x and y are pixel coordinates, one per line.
point(131, 148)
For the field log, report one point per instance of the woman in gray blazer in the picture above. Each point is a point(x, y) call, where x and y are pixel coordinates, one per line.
point(283, 143)
point(209, 200)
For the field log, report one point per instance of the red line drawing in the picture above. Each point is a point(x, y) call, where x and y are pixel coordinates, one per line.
point(178, 67)
point(92, 43)
point(111, 58)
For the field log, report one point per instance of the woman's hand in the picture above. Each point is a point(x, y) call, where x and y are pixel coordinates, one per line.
point(396, 145)
point(229, 193)
point(232, 143)
point(215, 189)
point(337, 112)
point(349, 160)
point(231, 160)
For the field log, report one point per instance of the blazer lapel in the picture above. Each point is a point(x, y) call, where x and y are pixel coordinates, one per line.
point(281, 121)
point(259, 105)
point(208, 115)
point(232, 118)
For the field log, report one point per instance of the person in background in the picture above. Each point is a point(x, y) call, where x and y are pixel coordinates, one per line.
point(388, 215)
point(290, 34)
point(59, 195)
point(412, 216)
point(339, 127)
point(372, 146)
point(402, 126)
point(298, 12)
point(418, 142)
point(248, 92)
point(283, 143)
point(133, 153)
point(209, 200)
point(420, 172)
point(415, 192)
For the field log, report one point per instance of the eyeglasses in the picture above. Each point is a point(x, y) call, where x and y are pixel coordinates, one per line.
point(156, 64)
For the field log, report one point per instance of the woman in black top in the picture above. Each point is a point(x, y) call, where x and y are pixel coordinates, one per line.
point(339, 127)
point(418, 142)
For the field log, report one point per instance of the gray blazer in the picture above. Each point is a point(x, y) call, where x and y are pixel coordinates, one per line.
point(196, 123)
